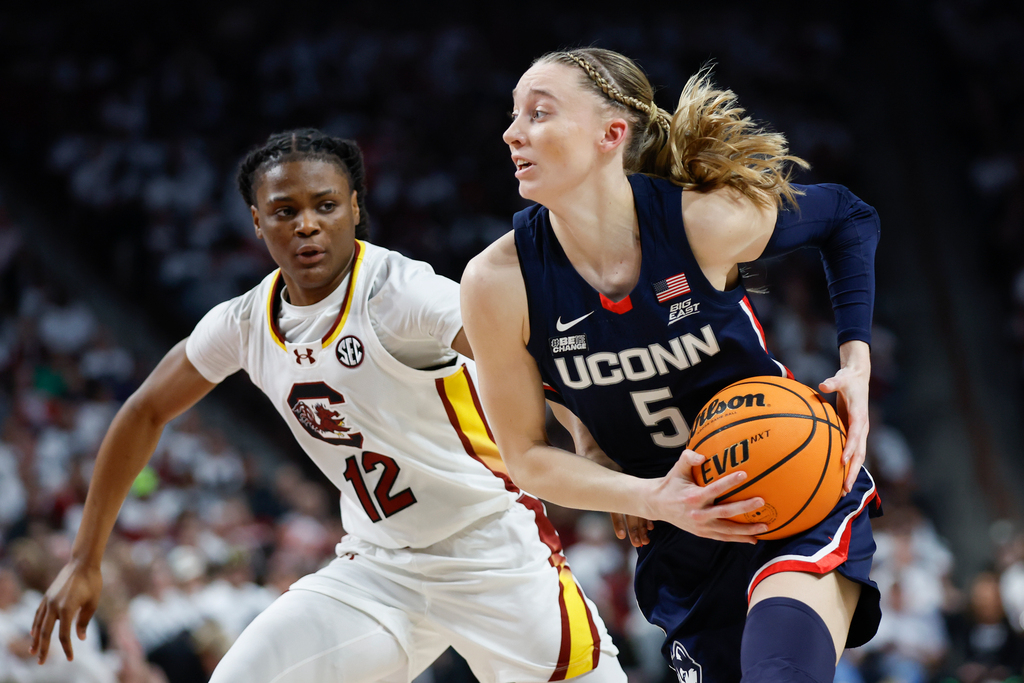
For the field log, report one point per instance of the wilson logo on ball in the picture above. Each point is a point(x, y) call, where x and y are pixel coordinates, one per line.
point(717, 407)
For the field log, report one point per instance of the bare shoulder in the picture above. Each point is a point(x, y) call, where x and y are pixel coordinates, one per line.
point(495, 268)
point(501, 253)
point(725, 227)
point(493, 291)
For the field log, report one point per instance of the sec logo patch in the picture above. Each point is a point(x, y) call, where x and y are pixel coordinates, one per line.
point(349, 351)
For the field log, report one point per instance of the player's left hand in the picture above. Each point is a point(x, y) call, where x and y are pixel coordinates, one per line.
point(635, 527)
point(851, 387)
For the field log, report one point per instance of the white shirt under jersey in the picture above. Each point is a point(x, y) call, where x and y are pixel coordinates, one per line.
point(409, 448)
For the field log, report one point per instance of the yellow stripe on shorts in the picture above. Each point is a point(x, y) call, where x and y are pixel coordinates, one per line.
point(580, 625)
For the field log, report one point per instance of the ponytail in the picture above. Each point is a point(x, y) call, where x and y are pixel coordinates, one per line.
point(705, 144)
point(713, 144)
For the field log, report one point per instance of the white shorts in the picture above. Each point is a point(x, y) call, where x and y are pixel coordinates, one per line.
point(499, 592)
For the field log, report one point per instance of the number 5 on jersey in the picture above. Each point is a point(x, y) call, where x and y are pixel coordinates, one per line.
point(680, 431)
point(389, 504)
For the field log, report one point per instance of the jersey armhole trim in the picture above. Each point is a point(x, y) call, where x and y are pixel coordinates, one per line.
point(526, 286)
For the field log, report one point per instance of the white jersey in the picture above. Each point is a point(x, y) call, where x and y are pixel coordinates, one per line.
point(409, 449)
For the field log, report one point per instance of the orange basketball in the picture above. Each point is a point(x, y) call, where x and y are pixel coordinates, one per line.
point(789, 441)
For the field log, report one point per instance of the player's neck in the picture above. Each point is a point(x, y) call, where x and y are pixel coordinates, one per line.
point(596, 225)
point(296, 295)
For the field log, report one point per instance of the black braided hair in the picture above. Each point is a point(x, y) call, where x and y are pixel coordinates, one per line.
point(299, 145)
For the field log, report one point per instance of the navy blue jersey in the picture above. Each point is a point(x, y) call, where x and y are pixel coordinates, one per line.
point(636, 372)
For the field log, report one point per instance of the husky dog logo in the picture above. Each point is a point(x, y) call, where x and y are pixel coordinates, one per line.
point(313, 405)
point(687, 669)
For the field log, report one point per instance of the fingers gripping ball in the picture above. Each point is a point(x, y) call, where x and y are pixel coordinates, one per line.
point(787, 439)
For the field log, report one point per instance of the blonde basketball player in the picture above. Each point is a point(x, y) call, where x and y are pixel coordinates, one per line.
point(632, 253)
point(362, 352)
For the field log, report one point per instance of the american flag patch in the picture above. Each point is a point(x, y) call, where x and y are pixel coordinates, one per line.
point(670, 288)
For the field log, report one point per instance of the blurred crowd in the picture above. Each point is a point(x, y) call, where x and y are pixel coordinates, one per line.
point(138, 150)
point(989, 58)
point(210, 535)
point(144, 133)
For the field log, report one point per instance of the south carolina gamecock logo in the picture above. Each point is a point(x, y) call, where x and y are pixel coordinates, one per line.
point(313, 404)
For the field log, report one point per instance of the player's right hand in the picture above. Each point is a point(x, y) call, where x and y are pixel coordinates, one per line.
point(679, 501)
point(74, 593)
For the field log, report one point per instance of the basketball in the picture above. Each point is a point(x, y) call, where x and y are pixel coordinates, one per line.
point(789, 441)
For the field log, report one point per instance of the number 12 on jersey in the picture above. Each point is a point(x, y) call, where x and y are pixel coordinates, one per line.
point(389, 504)
point(679, 433)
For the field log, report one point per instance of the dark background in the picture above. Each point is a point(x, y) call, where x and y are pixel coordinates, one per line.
point(121, 126)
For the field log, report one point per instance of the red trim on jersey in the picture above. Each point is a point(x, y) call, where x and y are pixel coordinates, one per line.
point(356, 255)
point(620, 307)
point(275, 309)
point(549, 536)
point(749, 310)
point(466, 443)
point(479, 407)
point(823, 564)
point(757, 323)
point(545, 529)
point(274, 305)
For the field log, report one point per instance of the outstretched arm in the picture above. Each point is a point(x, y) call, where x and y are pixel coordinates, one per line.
point(846, 231)
point(725, 229)
point(172, 388)
point(494, 310)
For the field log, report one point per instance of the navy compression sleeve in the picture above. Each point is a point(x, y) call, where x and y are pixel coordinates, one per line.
point(845, 230)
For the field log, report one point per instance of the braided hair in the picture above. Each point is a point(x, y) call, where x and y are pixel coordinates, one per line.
point(708, 142)
point(621, 84)
point(301, 145)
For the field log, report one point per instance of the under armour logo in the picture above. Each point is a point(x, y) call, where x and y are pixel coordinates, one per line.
point(299, 357)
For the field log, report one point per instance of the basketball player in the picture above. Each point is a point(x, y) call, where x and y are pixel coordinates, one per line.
point(619, 297)
point(362, 352)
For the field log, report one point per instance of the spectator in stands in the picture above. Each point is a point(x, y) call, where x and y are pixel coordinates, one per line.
point(987, 647)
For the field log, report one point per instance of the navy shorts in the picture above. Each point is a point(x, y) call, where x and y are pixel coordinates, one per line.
point(696, 589)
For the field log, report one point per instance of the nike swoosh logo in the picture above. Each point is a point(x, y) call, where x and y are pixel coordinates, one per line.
point(562, 327)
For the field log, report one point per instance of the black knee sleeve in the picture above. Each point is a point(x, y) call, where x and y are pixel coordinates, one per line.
point(785, 641)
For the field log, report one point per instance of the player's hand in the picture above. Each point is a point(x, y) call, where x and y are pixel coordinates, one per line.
point(851, 387)
point(74, 593)
point(635, 527)
point(679, 501)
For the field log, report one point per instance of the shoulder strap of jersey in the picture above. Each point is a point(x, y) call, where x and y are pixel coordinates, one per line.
point(660, 211)
point(532, 248)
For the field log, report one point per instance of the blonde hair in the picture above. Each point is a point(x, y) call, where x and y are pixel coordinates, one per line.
point(707, 143)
